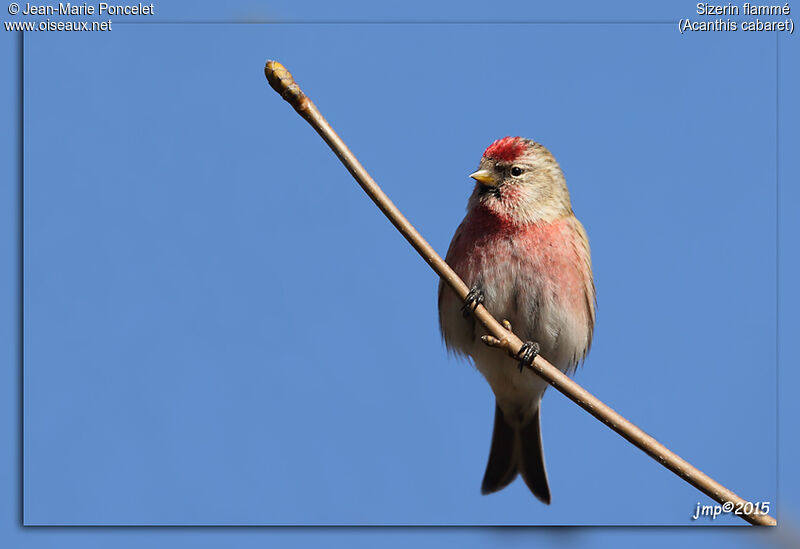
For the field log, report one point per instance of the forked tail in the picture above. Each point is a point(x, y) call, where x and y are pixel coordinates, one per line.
point(516, 450)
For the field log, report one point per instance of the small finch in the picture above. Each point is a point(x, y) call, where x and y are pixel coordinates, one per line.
point(525, 256)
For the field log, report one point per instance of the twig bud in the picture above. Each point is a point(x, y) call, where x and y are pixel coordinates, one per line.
point(282, 82)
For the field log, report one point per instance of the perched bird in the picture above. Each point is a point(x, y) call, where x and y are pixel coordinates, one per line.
point(526, 257)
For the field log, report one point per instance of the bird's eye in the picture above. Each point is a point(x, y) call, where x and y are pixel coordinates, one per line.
point(516, 171)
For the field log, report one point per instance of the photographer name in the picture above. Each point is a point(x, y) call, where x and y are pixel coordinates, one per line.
point(68, 8)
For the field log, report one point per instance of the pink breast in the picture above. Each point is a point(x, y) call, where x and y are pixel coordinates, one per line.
point(493, 249)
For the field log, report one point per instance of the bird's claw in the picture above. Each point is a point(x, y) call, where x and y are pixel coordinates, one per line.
point(474, 298)
point(527, 353)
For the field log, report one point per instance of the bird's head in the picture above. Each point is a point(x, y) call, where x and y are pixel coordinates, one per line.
point(520, 181)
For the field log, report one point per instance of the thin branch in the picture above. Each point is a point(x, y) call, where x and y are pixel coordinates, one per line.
point(282, 82)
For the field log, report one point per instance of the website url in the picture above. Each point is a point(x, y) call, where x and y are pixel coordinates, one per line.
point(44, 26)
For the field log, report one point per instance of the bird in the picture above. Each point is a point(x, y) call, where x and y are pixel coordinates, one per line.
point(526, 258)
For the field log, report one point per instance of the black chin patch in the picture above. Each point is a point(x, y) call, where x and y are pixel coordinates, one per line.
point(488, 190)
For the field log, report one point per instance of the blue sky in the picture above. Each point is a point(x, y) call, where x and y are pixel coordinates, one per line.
point(220, 328)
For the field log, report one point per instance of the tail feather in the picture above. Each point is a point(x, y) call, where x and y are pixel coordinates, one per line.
point(502, 466)
point(531, 463)
point(516, 450)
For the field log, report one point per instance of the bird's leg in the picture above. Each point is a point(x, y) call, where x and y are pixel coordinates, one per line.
point(474, 298)
point(528, 352)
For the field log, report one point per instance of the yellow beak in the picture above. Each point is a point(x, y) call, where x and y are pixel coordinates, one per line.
point(484, 177)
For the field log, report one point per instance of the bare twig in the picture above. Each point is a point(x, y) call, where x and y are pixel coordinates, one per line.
point(282, 82)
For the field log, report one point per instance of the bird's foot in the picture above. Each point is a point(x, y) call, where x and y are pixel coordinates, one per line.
point(474, 298)
point(527, 353)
